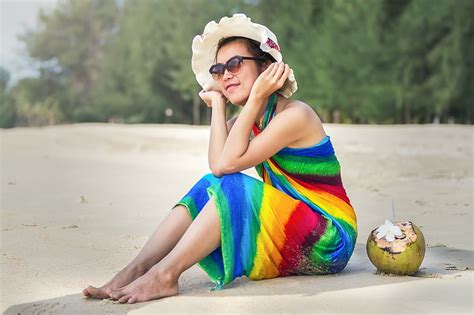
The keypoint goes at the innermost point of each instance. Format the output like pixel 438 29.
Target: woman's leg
pixel 200 239
pixel 161 242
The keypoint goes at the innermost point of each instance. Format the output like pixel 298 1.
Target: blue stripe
pixel 323 149
pixel 232 185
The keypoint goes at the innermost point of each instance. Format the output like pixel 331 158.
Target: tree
pixel 7 106
pixel 362 61
pixel 431 58
pixel 69 44
pixel 149 69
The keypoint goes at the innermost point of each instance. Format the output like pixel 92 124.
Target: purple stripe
pixel 331 180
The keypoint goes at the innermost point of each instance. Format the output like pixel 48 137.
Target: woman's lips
pixel 232 87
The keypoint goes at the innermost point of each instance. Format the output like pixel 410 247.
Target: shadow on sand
pixel 440 261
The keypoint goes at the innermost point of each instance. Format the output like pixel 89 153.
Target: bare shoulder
pixel 301 109
pixel 310 122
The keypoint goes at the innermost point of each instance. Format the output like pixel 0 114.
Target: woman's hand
pixel 270 80
pixel 212 98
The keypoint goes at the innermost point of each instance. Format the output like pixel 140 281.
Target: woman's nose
pixel 227 74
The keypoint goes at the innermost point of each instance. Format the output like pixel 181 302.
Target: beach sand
pixel 79 201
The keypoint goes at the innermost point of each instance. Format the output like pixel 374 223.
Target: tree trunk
pixel 336 116
pixel 407 113
pixel 196 111
pixel 427 115
pixel 208 115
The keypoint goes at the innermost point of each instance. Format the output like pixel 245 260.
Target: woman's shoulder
pixel 309 122
pixel 300 107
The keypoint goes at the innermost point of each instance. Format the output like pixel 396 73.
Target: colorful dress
pixel 298 221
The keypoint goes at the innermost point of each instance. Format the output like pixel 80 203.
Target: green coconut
pixel 402 256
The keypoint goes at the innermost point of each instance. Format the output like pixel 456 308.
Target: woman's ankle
pixel 164 273
pixel 137 268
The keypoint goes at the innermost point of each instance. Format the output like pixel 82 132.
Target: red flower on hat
pixel 272 44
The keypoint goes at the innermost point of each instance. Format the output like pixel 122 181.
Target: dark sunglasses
pixel 233 65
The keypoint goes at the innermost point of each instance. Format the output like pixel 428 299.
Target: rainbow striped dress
pixel 298 221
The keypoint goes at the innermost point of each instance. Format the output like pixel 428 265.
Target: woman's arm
pixel 219 127
pixel 218 137
pixel 216 144
pixel 292 124
pixel 234 154
pixel 238 139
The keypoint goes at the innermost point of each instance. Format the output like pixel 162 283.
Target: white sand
pixel 53 245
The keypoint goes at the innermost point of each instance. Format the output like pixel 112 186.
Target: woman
pixel 297 221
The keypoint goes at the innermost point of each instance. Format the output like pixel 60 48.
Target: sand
pixel 78 202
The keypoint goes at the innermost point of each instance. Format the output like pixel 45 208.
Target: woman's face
pixel 236 87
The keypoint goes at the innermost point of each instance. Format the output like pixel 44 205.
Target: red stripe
pixel 337 191
pixel 302 230
pixel 256 131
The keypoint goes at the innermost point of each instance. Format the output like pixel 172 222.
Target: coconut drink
pixel 396 248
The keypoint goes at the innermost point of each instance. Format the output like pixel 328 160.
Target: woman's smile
pixel 231 87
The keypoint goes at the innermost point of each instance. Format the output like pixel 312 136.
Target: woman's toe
pixel 97 292
pixel 86 293
pixel 91 290
pixel 132 300
pixel 124 299
pixel 117 295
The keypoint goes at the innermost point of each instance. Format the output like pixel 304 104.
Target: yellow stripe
pixel 276 210
pixel 331 204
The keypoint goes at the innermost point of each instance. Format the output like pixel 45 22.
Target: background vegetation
pixel 360 61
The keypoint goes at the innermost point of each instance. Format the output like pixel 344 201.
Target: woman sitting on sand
pixel 299 220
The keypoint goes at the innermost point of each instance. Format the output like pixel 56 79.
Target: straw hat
pixel 205 45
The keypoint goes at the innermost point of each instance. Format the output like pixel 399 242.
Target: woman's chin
pixel 237 98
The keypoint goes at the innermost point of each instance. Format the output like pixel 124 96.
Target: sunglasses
pixel 233 65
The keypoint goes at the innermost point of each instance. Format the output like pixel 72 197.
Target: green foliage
pixel 430 54
pixel 4 78
pixel 8 115
pixel 361 61
pixel 149 65
pixel 35 103
pixel 7 105
pixel 69 44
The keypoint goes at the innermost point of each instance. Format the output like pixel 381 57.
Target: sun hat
pixel 204 48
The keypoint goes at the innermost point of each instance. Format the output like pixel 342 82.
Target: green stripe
pixel 258 168
pixel 207 263
pixel 227 241
pixel 255 194
pixel 188 202
pixel 327 167
pixel 326 244
pixel 303 159
pixel 268 110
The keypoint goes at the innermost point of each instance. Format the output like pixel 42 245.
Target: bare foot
pixel 154 284
pixel 124 277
